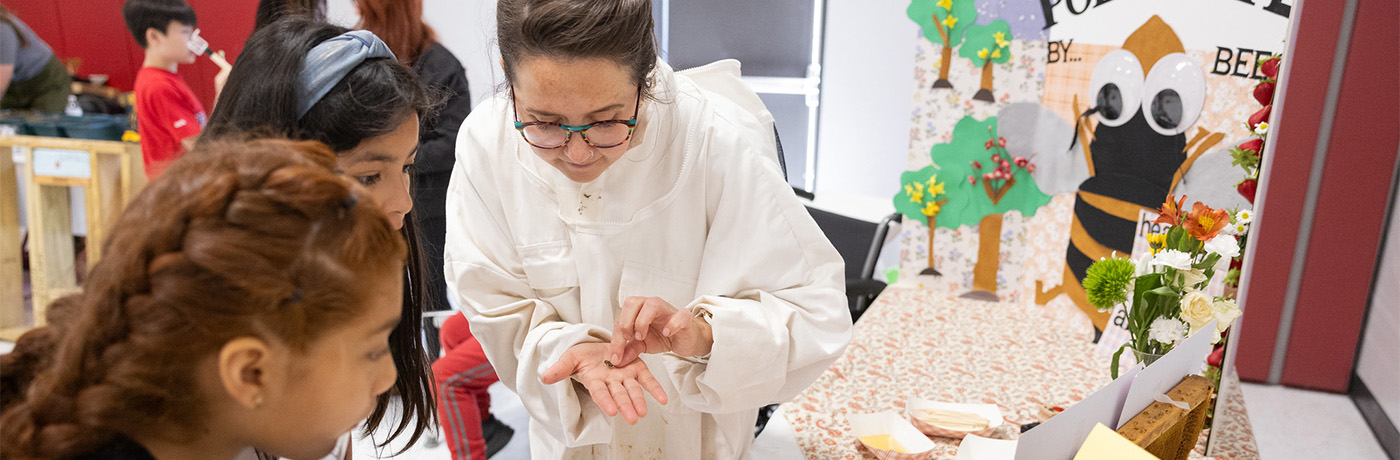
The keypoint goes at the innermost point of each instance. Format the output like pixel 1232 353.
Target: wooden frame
pixel 1166 430
pixel 113 181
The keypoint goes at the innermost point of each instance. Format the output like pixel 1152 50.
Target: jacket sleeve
pixel 781 317
pixel 521 333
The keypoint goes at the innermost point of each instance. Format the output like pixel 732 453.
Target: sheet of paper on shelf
pixel 1106 444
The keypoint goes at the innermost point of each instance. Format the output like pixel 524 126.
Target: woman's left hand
pixel 652 325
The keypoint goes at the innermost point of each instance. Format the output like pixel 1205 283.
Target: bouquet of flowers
pixel 1165 287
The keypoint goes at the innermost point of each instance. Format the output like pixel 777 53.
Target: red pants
pixel 463 374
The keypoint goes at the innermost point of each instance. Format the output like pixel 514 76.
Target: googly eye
pixel 1116 87
pixel 1175 91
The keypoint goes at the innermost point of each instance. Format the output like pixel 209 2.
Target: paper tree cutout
pixel 987 45
pixel 989 184
pixel 943 22
pixel 921 198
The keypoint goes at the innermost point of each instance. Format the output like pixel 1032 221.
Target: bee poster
pixel 1050 125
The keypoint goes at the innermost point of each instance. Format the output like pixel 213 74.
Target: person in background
pixel 306 80
pixel 31 77
pixel 270 11
pixel 168 115
pixel 462 373
pixel 245 299
pixel 625 247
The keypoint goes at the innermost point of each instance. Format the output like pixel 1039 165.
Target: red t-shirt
pixel 166 113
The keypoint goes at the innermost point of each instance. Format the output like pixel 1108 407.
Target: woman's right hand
pixel 614 389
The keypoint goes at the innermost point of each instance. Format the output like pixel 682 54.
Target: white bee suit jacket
pixel 695 212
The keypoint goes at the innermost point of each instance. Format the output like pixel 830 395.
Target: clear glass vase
pixel 1147 358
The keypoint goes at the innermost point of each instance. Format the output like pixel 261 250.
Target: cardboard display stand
pixel 109 174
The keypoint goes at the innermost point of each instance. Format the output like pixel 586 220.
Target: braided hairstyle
pixel 255 239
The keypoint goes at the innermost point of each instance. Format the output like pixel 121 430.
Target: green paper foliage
pixel 979 38
pixel 923 12
pixel 968 203
pixel 914 210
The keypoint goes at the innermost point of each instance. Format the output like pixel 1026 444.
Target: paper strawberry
pixel 1270 68
pixel 1261 116
pixel 1246 189
pixel 1253 145
pixel 1216 356
pixel 1264 93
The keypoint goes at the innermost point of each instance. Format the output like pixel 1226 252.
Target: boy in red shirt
pixel 167 114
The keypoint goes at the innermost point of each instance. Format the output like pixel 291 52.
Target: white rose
pixel 1172 258
pixel 1224 245
pixel 1225 312
pixel 1167 330
pixel 1197 310
pixel 1193 277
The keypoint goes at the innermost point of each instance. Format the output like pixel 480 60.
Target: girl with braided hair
pixel 301 79
pixel 246 299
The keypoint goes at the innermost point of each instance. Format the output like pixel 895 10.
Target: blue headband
pixel 331 60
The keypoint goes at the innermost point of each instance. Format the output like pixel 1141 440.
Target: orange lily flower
pixel 1204 223
pixel 1170 213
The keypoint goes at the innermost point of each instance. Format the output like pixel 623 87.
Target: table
pixel 932 344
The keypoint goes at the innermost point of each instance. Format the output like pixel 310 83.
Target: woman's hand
pixel 614 388
pixel 651 325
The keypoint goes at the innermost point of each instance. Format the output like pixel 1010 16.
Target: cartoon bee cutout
pixel 1128 151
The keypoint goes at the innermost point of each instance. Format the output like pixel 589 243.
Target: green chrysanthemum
pixel 1106 282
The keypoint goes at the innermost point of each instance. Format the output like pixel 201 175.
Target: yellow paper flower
pixel 950 22
pixel 931 208
pixel 996 53
pixel 982 54
pixel 916 193
pixel 935 188
pixel 945 4
pixel 1000 38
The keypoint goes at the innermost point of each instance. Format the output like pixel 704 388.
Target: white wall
pixel 1378 367
pixel 867 98
pixel 467 28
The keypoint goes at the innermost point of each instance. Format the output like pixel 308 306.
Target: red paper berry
pixel 1261 116
pixel 1270 68
pixel 1253 145
pixel 1264 93
pixel 1247 188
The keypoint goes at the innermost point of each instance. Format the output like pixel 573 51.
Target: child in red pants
pixel 462 375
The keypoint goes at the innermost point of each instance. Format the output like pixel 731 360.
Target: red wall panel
pixel 1308 64
pixel 1351 207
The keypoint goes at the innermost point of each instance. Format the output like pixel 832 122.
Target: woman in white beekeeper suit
pixel 623 243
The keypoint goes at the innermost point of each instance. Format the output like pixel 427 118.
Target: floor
pixel 1288 424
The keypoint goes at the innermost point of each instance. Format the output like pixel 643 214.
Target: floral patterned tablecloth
pixel 937 346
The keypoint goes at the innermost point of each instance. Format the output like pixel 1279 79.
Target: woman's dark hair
pixel 618 30
pixel 376 97
pixel 269 11
pixel 252 239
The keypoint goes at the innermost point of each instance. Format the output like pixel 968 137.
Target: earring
pixel 257 401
